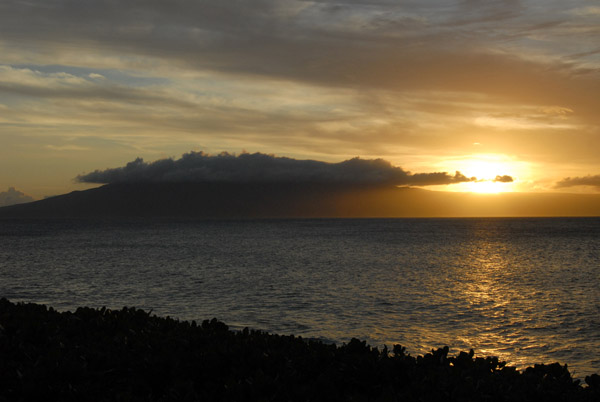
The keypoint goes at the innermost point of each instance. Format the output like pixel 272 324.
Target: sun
pixel 486 187
pixel 487 168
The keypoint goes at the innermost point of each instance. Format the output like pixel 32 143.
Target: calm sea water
pixel 526 290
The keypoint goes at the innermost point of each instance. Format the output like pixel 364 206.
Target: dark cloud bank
pixel 264 186
pixel 198 167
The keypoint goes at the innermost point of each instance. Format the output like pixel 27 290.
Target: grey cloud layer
pixel 439 46
pixel 386 78
pixel 592 181
pixel 28 82
pixel 382 44
pixel 258 167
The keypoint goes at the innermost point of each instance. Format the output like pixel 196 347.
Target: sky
pixel 485 88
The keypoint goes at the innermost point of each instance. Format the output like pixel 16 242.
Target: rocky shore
pixel 130 355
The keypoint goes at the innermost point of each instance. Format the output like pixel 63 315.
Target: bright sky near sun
pixel 487 88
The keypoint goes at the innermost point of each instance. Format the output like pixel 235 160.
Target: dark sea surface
pixel 526 290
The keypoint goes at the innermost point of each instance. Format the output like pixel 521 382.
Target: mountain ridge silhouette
pixel 296 200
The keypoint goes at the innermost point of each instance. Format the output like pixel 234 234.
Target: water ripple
pixel 525 290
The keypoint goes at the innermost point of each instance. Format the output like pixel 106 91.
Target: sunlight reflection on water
pixel 525 290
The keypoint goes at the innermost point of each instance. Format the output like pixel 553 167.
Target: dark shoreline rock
pixel 129 355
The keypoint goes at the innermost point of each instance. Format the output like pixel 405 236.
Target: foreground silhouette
pixel 129 355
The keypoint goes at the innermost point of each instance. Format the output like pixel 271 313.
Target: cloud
pixel 592 181
pixel 38 84
pixel 315 79
pixel 259 167
pixel 12 197
pixel 379 45
pixel 11 77
pixel 504 179
pixel 450 47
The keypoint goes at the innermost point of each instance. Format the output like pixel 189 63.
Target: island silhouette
pixel 296 200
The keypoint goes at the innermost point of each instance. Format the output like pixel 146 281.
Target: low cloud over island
pixel 13 197
pixel 259 185
pixel 196 167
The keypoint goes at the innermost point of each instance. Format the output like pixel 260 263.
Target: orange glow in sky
pixel 483 88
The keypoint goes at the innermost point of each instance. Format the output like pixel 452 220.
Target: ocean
pixel 525 290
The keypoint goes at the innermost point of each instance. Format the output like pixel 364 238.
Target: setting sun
pixel 487 187
pixel 494 173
